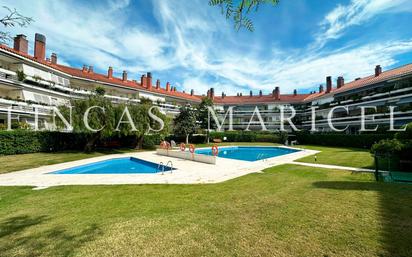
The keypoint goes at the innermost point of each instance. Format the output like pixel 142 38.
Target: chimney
pixel 21 44
pixel 250 93
pixel 260 93
pixel 378 70
pixel 124 76
pixel 167 86
pixel 295 92
pixel 157 84
pixel 110 72
pixel 84 69
pixel 39 46
pixel 90 69
pixel 192 92
pixel 223 95
pixel 328 84
pixel 212 93
pixel 149 80
pixel 340 82
pixel 174 89
pixel 143 80
pixel 276 93
pixel 54 58
pixel 240 94
pixel 320 88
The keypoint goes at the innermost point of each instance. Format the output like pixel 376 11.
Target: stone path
pixel 327 166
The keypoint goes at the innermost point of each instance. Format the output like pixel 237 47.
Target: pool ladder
pixel 161 167
pixel 260 157
pixel 171 166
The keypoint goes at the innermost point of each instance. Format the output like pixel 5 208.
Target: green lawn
pixel 288 210
pixel 342 156
pixel 26 161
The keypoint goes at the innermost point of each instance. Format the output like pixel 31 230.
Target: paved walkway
pixel 327 166
pixel 187 172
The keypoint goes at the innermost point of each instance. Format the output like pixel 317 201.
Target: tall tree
pixel 100 119
pixel 185 122
pixel 203 115
pixel 239 10
pixel 105 119
pixel 11 19
pixel 203 112
pixel 141 120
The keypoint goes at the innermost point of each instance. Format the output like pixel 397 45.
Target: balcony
pixel 21 107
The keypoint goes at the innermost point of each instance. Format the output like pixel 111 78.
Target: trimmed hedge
pixel 194 139
pixel 326 139
pixel 151 141
pixel 250 136
pixel 23 141
pixel 234 136
pixel 26 141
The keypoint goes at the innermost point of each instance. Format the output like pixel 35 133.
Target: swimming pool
pixel 248 153
pixel 128 165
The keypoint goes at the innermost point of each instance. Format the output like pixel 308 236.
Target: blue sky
pixel 295 45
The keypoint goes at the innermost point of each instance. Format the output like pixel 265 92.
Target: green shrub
pixel 26 141
pixel 194 139
pixel 405 135
pixel 20 75
pixel 250 136
pixel 151 141
pixel 387 147
pixel 344 140
pixel 267 138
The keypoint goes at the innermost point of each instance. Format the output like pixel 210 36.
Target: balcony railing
pixel 22 107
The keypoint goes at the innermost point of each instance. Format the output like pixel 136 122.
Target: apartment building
pixel 36 83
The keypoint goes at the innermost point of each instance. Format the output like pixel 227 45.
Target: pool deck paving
pixel 186 171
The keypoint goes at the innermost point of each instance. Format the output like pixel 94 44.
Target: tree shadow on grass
pixel 395 202
pixel 27 236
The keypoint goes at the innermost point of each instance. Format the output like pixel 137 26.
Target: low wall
pixel 187 156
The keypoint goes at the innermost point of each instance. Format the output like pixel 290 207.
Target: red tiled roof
pixel 369 80
pixel 288 98
pixel 386 75
pixel 260 99
pixel 103 78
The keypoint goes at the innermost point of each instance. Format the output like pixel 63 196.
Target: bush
pixel 387 147
pixel 25 141
pixel 405 135
pixel 344 140
pixel 267 138
pixel 194 139
pixel 250 136
pixel 151 141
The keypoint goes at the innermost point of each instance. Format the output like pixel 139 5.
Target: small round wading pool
pixel 248 153
pixel 128 165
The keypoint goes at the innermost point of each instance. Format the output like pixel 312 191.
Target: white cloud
pixel 196 42
pixel 355 13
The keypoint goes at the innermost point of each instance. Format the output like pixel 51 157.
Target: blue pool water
pixel 127 165
pixel 247 153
